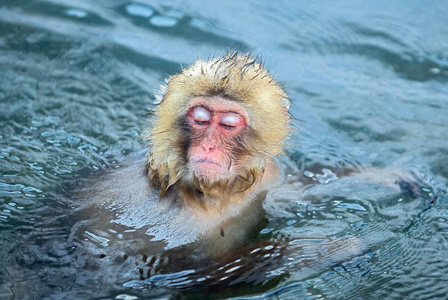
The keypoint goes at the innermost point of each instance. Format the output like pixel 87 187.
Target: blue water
pixel 369 86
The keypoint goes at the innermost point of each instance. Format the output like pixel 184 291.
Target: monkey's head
pixel 218 124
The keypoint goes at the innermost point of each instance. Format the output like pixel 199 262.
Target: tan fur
pixel 233 77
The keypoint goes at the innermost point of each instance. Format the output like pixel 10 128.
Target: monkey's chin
pixel 209 170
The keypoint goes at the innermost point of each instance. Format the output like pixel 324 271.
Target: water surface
pixel 369 88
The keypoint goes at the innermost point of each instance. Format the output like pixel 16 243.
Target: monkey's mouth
pixel 207 168
pixel 208 161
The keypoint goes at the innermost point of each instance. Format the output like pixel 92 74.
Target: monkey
pixel 214 141
pixel 215 133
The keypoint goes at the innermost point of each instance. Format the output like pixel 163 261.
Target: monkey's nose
pixel 208 147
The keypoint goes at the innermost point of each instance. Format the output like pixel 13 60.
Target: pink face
pixel 214 123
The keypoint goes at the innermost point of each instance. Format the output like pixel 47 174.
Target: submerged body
pixel 126 197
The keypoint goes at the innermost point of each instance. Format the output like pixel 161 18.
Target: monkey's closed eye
pixel 201 115
pixel 201 122
pixel 227 126
pixel 231 120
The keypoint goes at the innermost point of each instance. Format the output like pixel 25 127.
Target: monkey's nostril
pixel 208 148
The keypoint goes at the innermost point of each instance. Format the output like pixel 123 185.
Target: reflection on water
pixel 369 88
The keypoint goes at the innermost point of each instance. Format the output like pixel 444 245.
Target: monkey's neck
pixel 213 201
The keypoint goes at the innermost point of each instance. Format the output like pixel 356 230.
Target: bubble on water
pixel 163 21
pixel 435 70
pixel 352 206
pixel 198 24
pixel 135 284
pixel 327 176
pixel 175 14
pixel 139 10
pixel 46 134
pixel 76 12
pixel 291 222
pixel 73 140
pixel 126 297
pixel 266 230
pixel 31 189
pixel 308 174
pixel 85 147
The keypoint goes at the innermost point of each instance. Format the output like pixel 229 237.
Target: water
pixel 369 89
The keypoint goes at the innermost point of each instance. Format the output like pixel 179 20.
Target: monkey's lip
pixel 208 161
pixel 207 168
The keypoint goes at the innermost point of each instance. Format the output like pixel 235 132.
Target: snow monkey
pixel 213 139
pixel 215 133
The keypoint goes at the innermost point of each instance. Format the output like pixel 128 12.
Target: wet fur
pixel 235 77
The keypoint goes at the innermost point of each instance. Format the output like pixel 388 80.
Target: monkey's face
pixel 215 125
pixel 219 143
